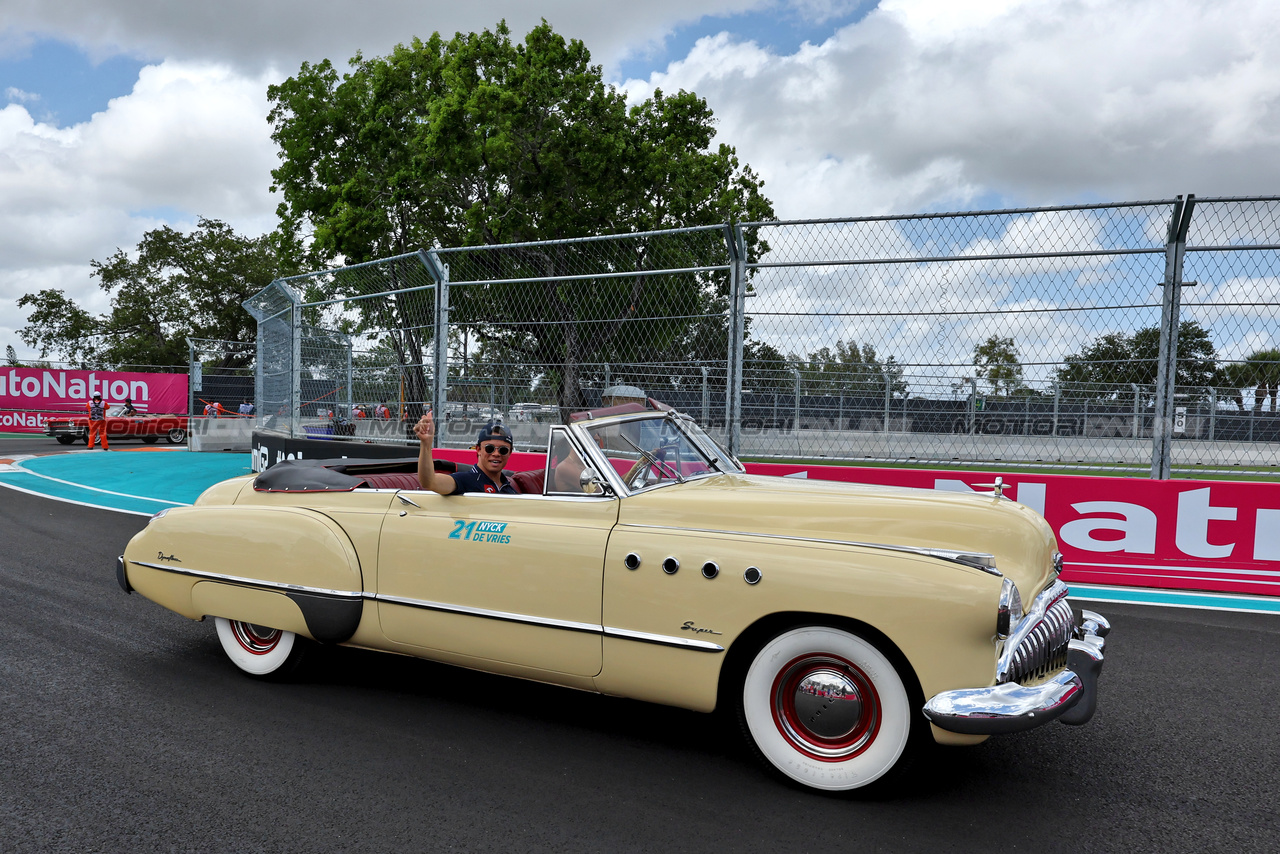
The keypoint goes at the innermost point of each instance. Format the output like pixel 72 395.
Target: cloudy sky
pixel 117 116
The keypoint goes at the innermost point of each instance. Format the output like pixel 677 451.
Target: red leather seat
pixel 391 481
pixel 529 482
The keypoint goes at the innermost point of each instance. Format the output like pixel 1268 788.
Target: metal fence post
pixel 440 351
pixel 888 395
pixel 737 249
pixel 1213 410
pixel 351 401
pixel 795 372
pixel 295 373
pixel 1167 361
pixel 1137 412
pixel 706 398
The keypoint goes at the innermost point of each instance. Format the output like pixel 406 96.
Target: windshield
pixel 654 451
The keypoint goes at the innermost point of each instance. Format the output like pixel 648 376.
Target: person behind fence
pixel 493 446
pixel 246 408
pixel 97 421
pixel 213 410
pixel 382 411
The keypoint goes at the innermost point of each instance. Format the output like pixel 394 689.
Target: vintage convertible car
pixel 845 626
pixel 148 428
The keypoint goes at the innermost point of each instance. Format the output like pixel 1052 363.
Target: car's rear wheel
pixel 176 435
pixel 825 708
pixel 65 440
pixel 261 651
pixel 150 440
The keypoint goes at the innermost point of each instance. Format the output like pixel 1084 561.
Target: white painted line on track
pixel 17 467
pixel 80 503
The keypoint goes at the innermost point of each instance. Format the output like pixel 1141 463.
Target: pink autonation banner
pixel 1134 532
pixel 30 396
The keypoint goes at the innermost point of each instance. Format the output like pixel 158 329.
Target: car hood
pixel 1019 538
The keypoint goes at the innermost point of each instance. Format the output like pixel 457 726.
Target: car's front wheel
pixel 827 709
pixel 176 435
pixel 260 651
pixel 150 440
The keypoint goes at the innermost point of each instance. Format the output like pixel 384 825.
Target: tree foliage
pixel 1106 368
pixel 848 369
pixel 1260 370
pixel 479 141
pixel 173 287
pixel 996 361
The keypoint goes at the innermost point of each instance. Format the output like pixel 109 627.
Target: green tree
pixel 996 361
pixel 1105 369
pixel 480 140
pixel 1260 371
pixel 848 369
pixel 176 286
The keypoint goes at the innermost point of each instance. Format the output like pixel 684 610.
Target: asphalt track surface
pixel 125 729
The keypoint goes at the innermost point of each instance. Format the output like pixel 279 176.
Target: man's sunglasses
pixel 502 450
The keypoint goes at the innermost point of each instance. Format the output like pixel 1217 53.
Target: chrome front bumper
pixel 1071 696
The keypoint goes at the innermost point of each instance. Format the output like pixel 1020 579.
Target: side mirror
pixel 589 481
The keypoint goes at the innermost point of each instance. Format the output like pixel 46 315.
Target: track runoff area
pixel 143 481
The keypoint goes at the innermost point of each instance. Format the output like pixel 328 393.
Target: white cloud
pixel 190 138
pixel 929 102
pixel 13 93
pixel 254 36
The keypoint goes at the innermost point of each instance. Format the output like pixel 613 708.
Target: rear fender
pixel 283 567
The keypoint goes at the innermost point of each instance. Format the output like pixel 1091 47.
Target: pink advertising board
pixel 1134 532
pixel 28 396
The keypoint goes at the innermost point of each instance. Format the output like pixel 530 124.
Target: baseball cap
pixel 495 430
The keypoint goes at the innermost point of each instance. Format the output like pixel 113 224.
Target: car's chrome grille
pixel 1041 643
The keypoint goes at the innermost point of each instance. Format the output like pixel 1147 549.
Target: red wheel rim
pixel 255 640
pixel 825 707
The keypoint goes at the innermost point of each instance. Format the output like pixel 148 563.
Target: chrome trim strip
pixel 504 616
pixel 252 582
pixel 550 623
pixel 663 640
pixel 949 555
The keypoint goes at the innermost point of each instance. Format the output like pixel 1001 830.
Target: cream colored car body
pixel 547 594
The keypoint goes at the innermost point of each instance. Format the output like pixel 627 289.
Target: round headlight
pixel 1010 610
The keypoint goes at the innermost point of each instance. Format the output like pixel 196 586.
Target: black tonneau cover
pixel 340 475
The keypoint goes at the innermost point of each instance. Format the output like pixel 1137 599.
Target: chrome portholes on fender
pixel 671 566
pixel 631 561
pixel 710 570
pixel 260 651
pixel 752 575
pixel 826 709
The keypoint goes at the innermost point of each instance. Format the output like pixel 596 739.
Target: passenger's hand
pixel 425 429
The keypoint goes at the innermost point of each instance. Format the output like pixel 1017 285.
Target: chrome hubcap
pixel 825 707
pixel 257 640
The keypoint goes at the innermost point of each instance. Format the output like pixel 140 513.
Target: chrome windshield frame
pixel 606 469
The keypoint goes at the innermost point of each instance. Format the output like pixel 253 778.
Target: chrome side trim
pixel 550 623
pixel 252 582
pixel 663 640
pixel 973 560
pixel 483 613
pixel 503 616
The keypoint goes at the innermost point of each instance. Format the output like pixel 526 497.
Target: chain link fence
pixel 1132 336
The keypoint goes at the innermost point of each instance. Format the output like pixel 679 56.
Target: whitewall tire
pixel 258 650
pixel 826 709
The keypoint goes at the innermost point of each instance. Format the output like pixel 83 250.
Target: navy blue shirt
pixel 471 479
